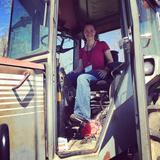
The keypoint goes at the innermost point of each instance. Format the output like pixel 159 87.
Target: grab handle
pixel 26 74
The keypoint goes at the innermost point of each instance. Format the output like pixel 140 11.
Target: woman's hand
pixel 102 73
pixel 79 67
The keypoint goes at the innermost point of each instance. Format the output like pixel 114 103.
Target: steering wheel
pixel 60 48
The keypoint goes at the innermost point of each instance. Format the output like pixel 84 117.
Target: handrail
pixel 26 74
pixel 21 63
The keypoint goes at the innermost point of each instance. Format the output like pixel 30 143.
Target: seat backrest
pixel 115 55
pixel 104 84
pixel 100 89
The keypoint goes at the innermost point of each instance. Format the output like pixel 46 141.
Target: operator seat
pixel 100 88
pixel 99 97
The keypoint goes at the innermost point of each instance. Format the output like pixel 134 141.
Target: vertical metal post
pixel 51 81
pixel 144 148
pixel 76 50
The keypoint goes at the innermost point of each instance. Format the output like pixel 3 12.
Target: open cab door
pixel 35 109
pixel 125 126
pixel 22 109
pixel 114 108
pixel 27 80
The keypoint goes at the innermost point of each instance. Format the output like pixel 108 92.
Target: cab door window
pixel 148 29
pixel 28 32
pixel 112 38
pixel 65 50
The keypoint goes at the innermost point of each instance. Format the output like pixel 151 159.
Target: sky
pixel 4 16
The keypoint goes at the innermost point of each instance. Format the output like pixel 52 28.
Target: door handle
pixel 26 75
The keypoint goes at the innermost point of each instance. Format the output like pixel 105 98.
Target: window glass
pixel 149 29
pixel 28 34
pixel 5 10
pixel 66 61
pixel 65 58
pixel 112 38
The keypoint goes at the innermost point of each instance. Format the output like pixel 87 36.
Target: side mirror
pixel 151 67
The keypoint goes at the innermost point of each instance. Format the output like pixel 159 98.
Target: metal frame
pixel 51 82
pixel 139 82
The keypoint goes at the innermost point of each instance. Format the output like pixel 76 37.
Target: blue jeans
pixel 82 99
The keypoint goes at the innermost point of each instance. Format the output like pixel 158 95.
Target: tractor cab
pixel 86 137
pixel 45 38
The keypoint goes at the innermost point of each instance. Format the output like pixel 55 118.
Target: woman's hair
pixel 88 24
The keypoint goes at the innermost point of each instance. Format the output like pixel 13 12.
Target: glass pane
pixel 65 57
pixel 112 39
pixel 28 35
pixel 66 61
pixel 5 10
pixel 149 30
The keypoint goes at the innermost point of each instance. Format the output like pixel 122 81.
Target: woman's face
pixel 89 32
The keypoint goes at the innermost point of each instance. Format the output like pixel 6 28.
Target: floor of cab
pixel 86 144
pixel 82 144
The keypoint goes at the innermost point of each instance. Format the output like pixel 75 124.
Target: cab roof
pixel 73 14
